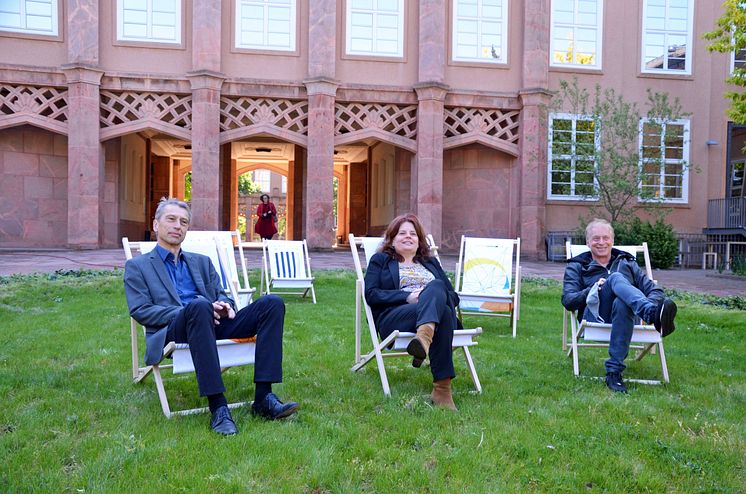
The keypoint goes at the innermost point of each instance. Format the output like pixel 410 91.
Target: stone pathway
pixel 47 261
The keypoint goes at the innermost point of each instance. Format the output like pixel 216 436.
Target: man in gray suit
pixel 178 297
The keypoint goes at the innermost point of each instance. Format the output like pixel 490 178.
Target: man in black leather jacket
pixel 607 285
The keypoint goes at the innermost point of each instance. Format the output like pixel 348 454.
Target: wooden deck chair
pixel 645 338
pixel 231 353
pixel 396 343
pixel 433 246
pixel 287 266
pixel 488 278
pixel 229 241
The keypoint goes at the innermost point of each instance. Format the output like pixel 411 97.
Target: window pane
pixel 163 19
pixel 164 32
pixel 135 4
pixel 135 31
pixel 10 20
pixel 36 8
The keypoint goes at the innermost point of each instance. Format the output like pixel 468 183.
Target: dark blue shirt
pixel 180 276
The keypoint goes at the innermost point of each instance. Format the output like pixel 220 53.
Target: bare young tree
pixel 619 156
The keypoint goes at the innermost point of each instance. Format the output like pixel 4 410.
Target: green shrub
pixel 660 236
pixel 738 265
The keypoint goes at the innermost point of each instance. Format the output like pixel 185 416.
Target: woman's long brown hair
pixel 423 250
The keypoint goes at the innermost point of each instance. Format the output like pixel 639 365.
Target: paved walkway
pixel 47 261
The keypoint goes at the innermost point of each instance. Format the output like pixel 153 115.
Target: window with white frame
pixel 664 151
pixel 480 31
pixel 576 33
pixel 375 28
pixel 738 60
pixel 152 21
pixel 29 16
pixel 266 24
pixel 572 160
pixel 667 36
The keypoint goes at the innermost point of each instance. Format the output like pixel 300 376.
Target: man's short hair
pixel 598 222
pixel 172 201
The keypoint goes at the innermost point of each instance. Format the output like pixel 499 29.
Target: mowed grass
pixel 72 420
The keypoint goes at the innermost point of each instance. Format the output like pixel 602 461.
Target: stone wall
pixel 33 188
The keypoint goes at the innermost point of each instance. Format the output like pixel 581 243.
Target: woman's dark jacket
pixel 382 283
pixel 581 273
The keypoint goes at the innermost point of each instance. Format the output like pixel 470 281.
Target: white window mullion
pixel 567 158
pixel 265 24
pixel 576 33
pixel 30 16
pixel 154 21
pixel 480 31
pixel 667 40
pixel 375 28
pixel 666 157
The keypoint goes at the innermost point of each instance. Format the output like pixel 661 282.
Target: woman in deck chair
pixel 408 291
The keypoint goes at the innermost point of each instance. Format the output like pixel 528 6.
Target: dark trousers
pixel 195 325
pixel 432 307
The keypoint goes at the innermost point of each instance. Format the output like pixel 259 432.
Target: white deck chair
pixel 433 247
pixel 488 278
pixel 227 239
pixel 230 352
pixel 287 266
pixel 645 338
pixel 462 338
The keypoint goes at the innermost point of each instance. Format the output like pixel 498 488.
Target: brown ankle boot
pixel 419 347
pixel 441 396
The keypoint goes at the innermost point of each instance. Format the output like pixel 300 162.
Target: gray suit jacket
pixel 152 297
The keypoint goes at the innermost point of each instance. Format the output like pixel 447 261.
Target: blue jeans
pixel 621 303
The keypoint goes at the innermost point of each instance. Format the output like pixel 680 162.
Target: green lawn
pixel 72 420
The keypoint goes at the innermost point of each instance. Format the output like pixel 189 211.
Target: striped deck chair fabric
pixel 286 268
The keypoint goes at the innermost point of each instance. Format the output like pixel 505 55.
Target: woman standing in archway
pixel 266 222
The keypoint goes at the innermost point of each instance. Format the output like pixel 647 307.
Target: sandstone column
pixel 427 167
pixel 85 155
pixel 206 80
pixel 533 138
pixel 318 193
pixel 206 150
pixel 317 186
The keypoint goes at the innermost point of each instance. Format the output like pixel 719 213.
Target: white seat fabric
pixel 397 341
pixel 230 352
pixel 226 240
pixel 286 265
pixel 488 278
pixel 645 338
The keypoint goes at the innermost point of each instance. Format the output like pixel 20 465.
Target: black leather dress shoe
pixel 272 408
pixel 222 422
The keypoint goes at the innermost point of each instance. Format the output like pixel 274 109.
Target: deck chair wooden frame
pixel 231 353
pixel 229 241
pixel 395 344
pixel 645 338
pixel 286 266
pixel 505 304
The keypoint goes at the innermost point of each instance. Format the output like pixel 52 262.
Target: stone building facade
pixel 431 106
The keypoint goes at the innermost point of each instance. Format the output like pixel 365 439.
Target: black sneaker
pixel 615 383
pixel 664 316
